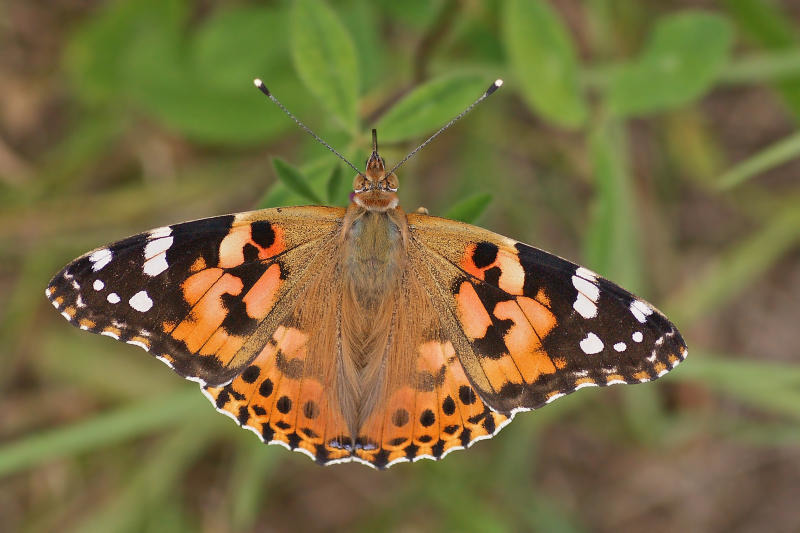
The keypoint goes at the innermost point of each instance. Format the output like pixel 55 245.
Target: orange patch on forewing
pixel 539 316
pixel 207 314
pixel 560 362
pixel 214 342
pixel 584 381
pixel 230 348
pixel 512 275
pixel 673 359
pixel 614 377
pixel 86 323
pixel 198 265
pixel 195 286
pixel 261 297
pixel 468 265
pixel 474 318
pixel 501 371
pixel 231 249
pixel 542 298
pixel 642 375
pixel 659 367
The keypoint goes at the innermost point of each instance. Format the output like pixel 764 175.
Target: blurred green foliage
pixel 159 91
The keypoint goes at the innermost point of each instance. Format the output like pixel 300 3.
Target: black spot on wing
pixel 237 321
pixel 485 254
pixel 262 233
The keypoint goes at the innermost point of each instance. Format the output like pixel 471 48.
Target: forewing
pixel 529 327
pixel 201 296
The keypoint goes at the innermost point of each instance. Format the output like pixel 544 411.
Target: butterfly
pixel 365 334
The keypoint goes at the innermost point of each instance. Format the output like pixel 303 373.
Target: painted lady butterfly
pixel 365 334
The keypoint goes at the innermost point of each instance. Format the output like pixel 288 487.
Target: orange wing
pixel 517 328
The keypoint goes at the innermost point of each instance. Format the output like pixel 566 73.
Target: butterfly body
pixel 365 334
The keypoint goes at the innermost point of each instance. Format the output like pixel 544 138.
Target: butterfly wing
pixel 201 296
pixel 529 327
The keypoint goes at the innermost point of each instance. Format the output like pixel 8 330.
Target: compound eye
pixel 391 182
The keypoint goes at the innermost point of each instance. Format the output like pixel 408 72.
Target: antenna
pixel 263 88
pixel 492 88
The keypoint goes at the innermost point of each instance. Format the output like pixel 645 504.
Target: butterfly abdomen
pixel 372 266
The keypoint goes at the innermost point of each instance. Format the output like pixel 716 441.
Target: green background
pixel 654 142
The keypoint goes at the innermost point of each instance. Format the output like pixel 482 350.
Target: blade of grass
pixel 771 386
pixel 152 481
pixel 102 430
pixel 249 482
pixel 612 243
pixel 737 268
pixel 776 154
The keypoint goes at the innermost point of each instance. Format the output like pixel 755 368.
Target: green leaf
pixel 430 106
pixel 325 59
pixel 683 58
pixel 294 180
pixel 236 45
pixel 470 209
pixel 542 57
pixel 771 27
pixel 337 188
pixel 95 53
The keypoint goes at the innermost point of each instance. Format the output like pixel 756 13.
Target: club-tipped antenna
pixel 263 88
pixel 492 88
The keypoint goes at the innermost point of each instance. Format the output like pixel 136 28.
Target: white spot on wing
pixel 591 344
pixel 155 266
pixel 155 258
pixel 65 315
pixel 620 347
pixel 584 306
pixel 141 345
pixel 110 334
pixel 157 246
pixel 637 336
pixel 141 301
pixel 100 258
pixel 164 231
pixel 589 289
pixel 640 310
pixel 48 292
pixel 98 285
pixel 113 298
pixel 585 273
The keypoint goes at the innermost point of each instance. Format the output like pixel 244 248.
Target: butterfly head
pixel 375 190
